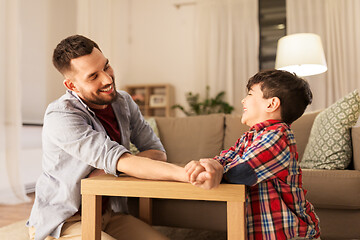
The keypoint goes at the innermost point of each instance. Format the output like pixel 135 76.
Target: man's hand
pixel 193 169
pixel 211 177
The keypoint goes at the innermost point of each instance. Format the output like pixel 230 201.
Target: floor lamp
pixel 301 53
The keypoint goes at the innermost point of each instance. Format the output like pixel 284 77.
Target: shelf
pixel 153 99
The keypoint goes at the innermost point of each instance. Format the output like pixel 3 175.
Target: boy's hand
pixel 211 177
pixel 193 169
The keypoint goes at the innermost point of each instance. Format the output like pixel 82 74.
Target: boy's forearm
pixel 146 168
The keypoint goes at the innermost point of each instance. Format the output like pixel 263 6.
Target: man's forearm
pixel 146 168
pixel 153 154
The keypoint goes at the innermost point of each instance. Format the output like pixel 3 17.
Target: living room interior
pixel 184 44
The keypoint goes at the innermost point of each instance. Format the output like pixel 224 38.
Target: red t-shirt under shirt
pixel 109 122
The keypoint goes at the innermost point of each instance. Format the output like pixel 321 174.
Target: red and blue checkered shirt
pixel 275 204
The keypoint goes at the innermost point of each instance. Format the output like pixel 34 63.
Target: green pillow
pixel 329 145
pixel 152 123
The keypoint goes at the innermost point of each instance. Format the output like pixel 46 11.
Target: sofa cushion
pixel 152 122
pixel 191 138
pixel 329 145
pixel 355 137
pixel 301 129
pixel 338 189
pixel 234 129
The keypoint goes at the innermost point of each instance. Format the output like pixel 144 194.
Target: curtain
pixel 338 24
pixel 226 47
pixel 12 190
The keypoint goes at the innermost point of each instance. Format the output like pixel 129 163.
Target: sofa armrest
pixel 355 137
pixel 338 189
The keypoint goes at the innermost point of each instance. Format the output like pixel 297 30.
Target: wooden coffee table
pixel 92 190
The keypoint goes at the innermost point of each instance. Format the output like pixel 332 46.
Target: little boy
pixel 266 160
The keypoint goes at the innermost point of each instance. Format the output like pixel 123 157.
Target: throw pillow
pixel 152 123
pixel 329 145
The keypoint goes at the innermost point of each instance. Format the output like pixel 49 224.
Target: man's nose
pixel 106 78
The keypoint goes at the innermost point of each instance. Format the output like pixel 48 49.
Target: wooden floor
pixel 12 213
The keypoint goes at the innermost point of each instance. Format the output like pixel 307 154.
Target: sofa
pixel 335 194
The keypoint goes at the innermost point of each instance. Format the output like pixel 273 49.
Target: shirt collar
pixel 260 126
pixel 81 101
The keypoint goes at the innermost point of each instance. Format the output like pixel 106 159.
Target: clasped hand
pixel 206 173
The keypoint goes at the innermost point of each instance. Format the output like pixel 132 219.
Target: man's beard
pixel 98 100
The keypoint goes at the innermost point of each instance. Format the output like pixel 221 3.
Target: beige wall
pixel 152 42
pixel 160 46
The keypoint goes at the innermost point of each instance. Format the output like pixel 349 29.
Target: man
pixel 87 132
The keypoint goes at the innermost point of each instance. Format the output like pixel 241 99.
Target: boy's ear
pixel 274 104
pixel 70 85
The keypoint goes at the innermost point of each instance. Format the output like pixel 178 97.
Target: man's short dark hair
pixel 294 92
pixel 71 47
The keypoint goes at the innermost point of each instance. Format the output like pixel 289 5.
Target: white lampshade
pixel 301 53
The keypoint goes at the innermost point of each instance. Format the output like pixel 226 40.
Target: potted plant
pixel 207 106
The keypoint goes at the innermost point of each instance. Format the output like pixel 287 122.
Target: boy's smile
pixel 255 107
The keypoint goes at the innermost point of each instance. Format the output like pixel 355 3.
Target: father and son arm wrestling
pixel 87 132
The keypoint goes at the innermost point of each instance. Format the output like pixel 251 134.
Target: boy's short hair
pixel 71 47
pixel 294 92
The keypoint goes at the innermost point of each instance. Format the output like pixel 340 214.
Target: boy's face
pixel 92 78
pixel 255 107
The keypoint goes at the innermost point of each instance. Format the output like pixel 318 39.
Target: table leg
pixel 236 220
pixel 91 217
pixel 145 210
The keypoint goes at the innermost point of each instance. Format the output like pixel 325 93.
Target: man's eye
pixel 106 67
pixel 94 77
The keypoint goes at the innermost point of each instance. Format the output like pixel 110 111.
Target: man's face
pixel 254 105
pixel 92 78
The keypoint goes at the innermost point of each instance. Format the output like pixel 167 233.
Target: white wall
pixel 43 24
pixel 62 19
pixel 33 16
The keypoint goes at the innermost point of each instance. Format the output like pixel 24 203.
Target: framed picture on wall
pixel 157 100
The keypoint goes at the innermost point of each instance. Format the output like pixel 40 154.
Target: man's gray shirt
pixel 74 144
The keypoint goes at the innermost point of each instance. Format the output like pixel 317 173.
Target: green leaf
pixel 207 106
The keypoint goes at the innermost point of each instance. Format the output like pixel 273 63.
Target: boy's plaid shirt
pixel 276 204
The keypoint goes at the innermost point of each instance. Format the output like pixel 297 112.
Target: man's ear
pixel 274 104
pixel 70 85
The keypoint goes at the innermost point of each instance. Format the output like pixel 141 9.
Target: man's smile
pixel 107 90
